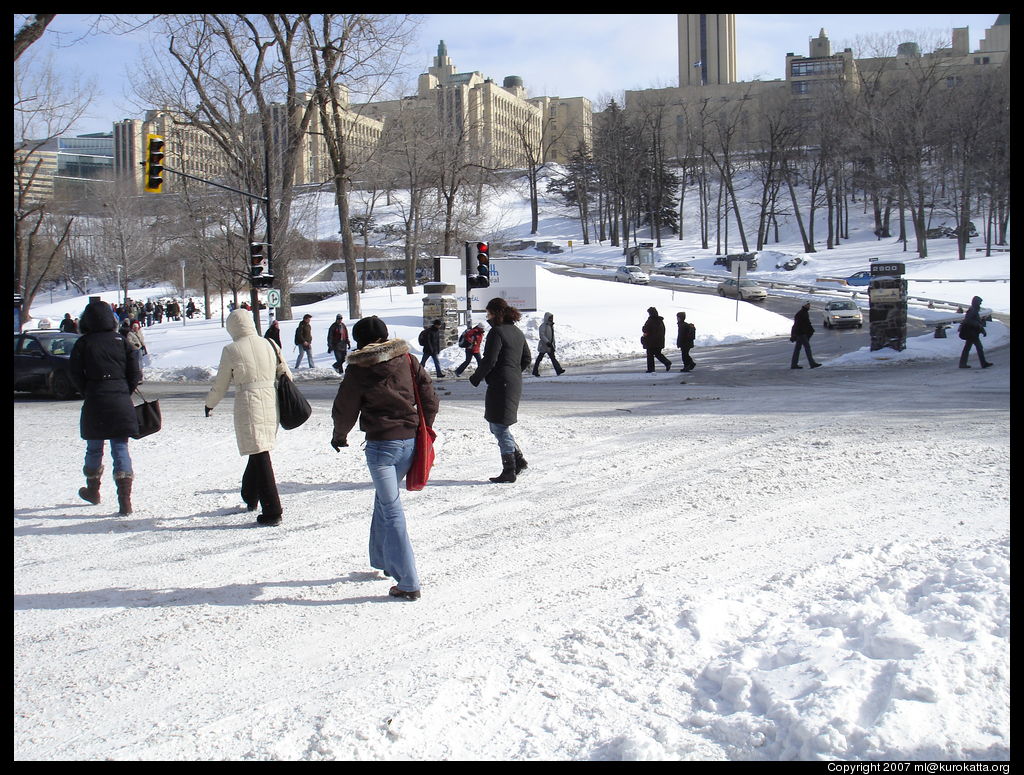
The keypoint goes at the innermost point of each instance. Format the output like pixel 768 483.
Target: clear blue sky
pixel 568 55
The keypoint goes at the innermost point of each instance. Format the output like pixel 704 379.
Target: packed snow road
pixel 718 565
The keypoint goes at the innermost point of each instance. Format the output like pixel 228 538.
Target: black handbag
pixel 149 417
pixel 292 407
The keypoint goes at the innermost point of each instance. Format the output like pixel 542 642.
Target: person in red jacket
pixel 471 340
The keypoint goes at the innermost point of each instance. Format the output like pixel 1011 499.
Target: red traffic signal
pixel 478 273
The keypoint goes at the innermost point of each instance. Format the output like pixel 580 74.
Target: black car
pixel 726 261
pixel 41 362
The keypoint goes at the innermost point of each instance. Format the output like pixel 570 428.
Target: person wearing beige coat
pixel 252 364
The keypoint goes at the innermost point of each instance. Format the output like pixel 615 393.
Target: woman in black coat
pixel 105 370
pixel 506 357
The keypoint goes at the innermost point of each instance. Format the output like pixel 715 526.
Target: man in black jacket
pixel 430 340
pixel 971 330
pixel 654 339
pixel 800 335
pixel 338 343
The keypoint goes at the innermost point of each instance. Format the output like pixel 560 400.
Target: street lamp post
pixel 182 310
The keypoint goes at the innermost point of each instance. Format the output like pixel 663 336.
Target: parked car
pixel 675 268
pixel 748 290
pixel 726 261
pixel 859 278
pixel 41 363
pixel 842 313
pixel 631 274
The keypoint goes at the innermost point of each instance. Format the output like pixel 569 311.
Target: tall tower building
pixel 707 49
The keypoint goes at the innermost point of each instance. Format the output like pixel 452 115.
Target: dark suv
pixel 41 362
pixel 726 261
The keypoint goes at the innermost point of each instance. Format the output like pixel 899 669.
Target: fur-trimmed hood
pixel 377 352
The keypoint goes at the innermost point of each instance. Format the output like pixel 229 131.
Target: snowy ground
pixel 742 566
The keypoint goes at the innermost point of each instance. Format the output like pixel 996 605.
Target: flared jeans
pixel 390 548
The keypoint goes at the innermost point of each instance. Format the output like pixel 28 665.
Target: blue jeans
pixel 506 444
pixel 118 451
pixel 390 549
pixel 309 356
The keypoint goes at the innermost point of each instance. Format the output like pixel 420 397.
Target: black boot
pixel 508 470
pixel 123 481
pixel 520 461
pixel 91 491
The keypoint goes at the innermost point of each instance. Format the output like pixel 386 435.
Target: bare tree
pixel 31 31
pixel 346 51
pixel 45 106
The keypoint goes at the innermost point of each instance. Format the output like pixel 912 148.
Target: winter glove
pixel 474 381
pixel 207 410
pixel 338 444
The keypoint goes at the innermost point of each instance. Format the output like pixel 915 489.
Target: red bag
pixel 423 456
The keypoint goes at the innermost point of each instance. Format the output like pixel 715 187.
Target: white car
pixel 748 290
pixel 631 274
pixel 839 314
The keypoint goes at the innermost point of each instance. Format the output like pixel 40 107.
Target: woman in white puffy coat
pixel 252 364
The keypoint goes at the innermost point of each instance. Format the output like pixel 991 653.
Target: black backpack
pixel 423 338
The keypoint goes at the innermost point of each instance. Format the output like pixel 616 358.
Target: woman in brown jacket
pixel 378 390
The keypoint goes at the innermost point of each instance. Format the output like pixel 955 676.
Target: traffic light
pixel 259 276
pixel 153 174
pixel 478 265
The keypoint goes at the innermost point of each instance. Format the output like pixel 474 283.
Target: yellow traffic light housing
pixel 153 178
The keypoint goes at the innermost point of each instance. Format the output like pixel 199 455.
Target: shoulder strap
pixel 415 385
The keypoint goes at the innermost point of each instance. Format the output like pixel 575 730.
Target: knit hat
pixel 369 330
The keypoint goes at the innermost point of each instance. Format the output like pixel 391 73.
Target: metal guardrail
pixel 813 289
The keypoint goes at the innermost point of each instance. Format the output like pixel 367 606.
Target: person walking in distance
pixel 304 340
pixel 105 370
pixel 470 341
pixel 687 333
pixel 379 389
pixel 430 340
pixel 338 343
pixel 546 345
pixel 274 333
pixel 800 335
pixel 253 364
pixel 971 330
pixel 506 357
pixel 654 340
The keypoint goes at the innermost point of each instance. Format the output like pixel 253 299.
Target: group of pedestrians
pixel 379 390
pixel 653 340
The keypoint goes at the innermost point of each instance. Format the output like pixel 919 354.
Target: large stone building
pixel 496 126
pixel 708 40
pixel 707 49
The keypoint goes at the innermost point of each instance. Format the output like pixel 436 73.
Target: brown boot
pixel 123 481
pixel 91 491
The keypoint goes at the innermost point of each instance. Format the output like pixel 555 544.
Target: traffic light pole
pixel 265 199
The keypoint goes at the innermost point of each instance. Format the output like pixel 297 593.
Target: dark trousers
pixel 470 355
pixel 687 360
pixel 554 362
pixel 437 365
pixel 974 341
pixel 258 484
pixel 652 354
pixel 805 342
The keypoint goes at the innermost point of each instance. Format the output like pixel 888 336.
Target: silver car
pixel 631 274
pixel 842 314
pixel 748 290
